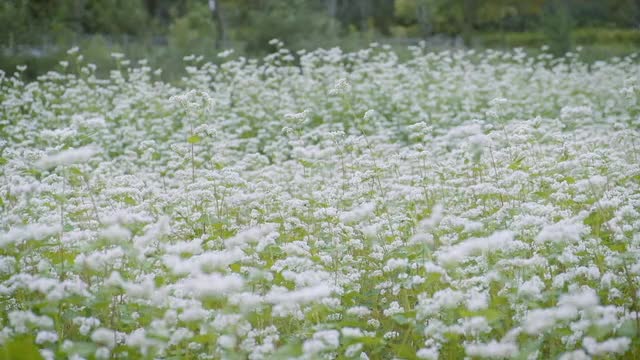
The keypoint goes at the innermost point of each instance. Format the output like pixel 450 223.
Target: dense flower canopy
pixel 323 205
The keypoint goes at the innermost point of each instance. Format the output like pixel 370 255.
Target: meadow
pixel 323 205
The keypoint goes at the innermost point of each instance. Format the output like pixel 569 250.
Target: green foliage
pixel 406 10
pixel 297 23
pixel 23 348
pixel 556 25
pixel 114 17
pixel 587 36
pixel 13 22
pixel 195 29
pixel 194 139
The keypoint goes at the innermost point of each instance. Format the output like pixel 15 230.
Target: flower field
pixel 323 205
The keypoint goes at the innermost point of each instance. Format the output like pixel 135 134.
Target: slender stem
pixel 60 243
pixel 193 163
pixel 495 171
pixel 93 200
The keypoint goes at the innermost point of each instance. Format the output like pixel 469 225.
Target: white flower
pixel 342 86
pixel 457 253
pixel 575 355
pixel 68 157
pixel 394 308
pixel 322 340
pixel 105 337
pixel 193 313
pixel 583 299
pixel 351 332
pixel 46 337
pixel 532 288
pixel 301 296
pixel 612 346
pixel 116 233
pixel 394 264
pixel 561 232
pixel 227 342
pixel 430 353
pixel 491 350
pixel 391 335
pixel 214 285
pixel 369 115
pixel 19 235
pixel 575 112
pixel 359 311
pixel 103 353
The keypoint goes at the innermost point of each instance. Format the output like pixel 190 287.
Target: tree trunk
pixel 424 18
pixel 332 10
pixel 216 13
pixel 469 12
pixel 365 13
pixel 151 6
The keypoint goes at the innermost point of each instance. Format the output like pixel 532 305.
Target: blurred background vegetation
pixel 38 32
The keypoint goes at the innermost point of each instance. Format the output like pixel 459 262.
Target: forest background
pixel 37 33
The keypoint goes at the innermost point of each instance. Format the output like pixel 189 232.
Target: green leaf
pixel 491 315
pixel 293 349
pixel 619 247
pixel 305 163
pixel 404 351
pixel 516 164
pixel 249 134
pixel 21 348
pixel 400 319
pixel 194 139
pixel 204 219
pixel 528 348
pixel 235 267
pixel 371 341
pixel 129 200
pixel 83 348
pixel 3 161
pixel 628 329
pixel 75 171
pixel 34 172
